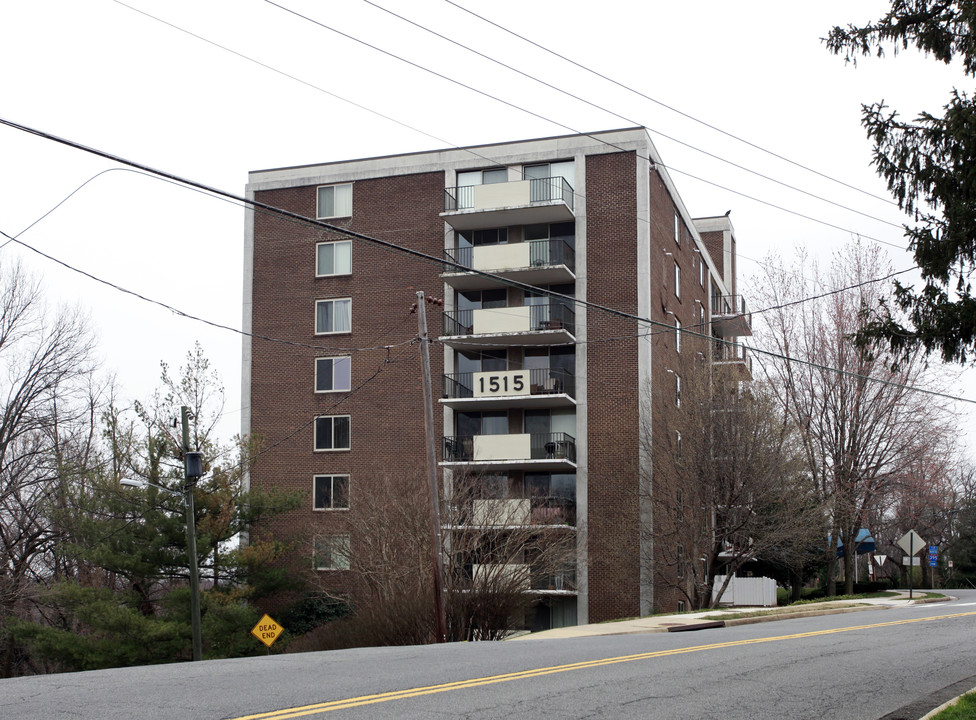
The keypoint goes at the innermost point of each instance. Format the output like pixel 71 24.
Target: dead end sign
pixel 267 630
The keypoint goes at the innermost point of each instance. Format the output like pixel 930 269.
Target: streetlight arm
pixel 143 484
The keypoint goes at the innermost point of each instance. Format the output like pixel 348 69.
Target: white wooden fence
pixel 750 591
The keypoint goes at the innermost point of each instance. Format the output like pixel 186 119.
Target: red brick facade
pixel 629 266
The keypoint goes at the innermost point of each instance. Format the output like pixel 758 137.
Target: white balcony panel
pixel 502 512
pixel 499 195
pixel 501 257
pixel 493 321
pixel 502 447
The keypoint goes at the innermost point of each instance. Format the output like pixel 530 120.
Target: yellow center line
pixel 538 672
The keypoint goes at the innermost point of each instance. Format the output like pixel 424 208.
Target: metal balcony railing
pixel 562 579
pixel 542 381
pixel 506 512
pixel 730 305
pixel 551 316
pixel 542 446
pixel 732 352
pixel 553 511
pixel 549 189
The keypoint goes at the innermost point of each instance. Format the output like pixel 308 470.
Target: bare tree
pixel 861 424
pixel 728 482
pixel 45 363
pixel 500 553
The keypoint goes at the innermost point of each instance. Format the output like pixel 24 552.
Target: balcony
pixel 525 577
pixel 550 324
pixel 731 316
pixel 492 390
pixel 548 512
pixel 535 262
pixel 527 451
pixel 521 202
pixel 733 359
pixel 559 582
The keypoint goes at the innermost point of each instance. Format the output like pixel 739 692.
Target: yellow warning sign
pixel 267 630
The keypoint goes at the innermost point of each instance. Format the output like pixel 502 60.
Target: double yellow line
pixel 526 674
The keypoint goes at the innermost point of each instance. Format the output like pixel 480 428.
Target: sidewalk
pixel 725 617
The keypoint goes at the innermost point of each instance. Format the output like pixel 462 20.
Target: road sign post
pixel 911 542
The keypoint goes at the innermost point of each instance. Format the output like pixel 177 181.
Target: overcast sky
pixel 209 90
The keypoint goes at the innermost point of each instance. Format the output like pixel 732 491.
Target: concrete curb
pixel 675 623
pixel 935 711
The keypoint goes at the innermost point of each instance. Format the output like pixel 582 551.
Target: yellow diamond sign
pixel 267 630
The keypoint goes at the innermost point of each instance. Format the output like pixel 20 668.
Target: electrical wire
pixel 671 108
pixel 615 114
pixel 488 160
pixel 189 316
pixel 418 254
pixel 544 118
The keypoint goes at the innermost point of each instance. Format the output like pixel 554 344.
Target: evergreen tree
pixel 930 168
pixel 125 599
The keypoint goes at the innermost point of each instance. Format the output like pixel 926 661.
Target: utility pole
pixel 440 618
pixel 192 470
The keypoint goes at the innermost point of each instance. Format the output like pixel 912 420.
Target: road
pixel 880 663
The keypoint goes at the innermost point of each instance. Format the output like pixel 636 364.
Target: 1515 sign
pixel 511 382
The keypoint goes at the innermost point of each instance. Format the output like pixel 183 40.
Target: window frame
pixel 677 280
pixel 332 507
pixel 677 390
pixel 341 539
pixel 318 201
pixel 333 243
pixel 349 318
pixel 334 389
pixel 333 448
pixel 677 228
pixel 677 335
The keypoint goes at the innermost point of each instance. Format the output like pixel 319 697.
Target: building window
pixel 679 499
pixel 491 176
pixel 677 228
pixel 677 280
pixel 333 258
pixel 677 335
pixel 333 374
pixel 331 552
pixel 332 432
pixel 681 606
pixel 681 561
pixel 334 201
pixel 333 316
pixel 677 390
pixel 330 492
pixel 701 271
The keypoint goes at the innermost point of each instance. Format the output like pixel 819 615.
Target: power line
pixel 626 119
pixel 182 313
pixel 425 256
pixel 671 108
pixel 381 334
pixel 543 117
pixel 488 160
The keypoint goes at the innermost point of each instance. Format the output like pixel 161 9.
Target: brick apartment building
pixel 544 398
